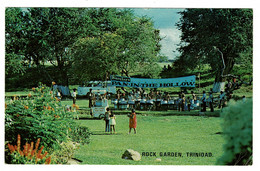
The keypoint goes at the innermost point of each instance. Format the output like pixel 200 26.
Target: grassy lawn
pixel 156 132
pixel 17 93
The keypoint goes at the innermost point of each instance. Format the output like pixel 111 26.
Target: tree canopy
pixel 228 30
pixel 124 44
pixel 86 43
pixel 14 41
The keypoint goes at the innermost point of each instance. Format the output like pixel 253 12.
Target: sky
pixel 165 20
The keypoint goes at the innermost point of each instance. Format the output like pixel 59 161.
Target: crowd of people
pixel 155 100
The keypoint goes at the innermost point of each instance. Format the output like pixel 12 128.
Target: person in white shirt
pixel 74 94
pixel 59 95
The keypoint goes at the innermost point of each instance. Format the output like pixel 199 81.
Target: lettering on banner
pixel 188 81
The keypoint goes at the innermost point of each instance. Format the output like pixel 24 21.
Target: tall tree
pixel 50 32
pixel 123 44
pixel 228 30
pixel 14 42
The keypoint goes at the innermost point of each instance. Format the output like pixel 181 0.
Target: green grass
pixel 17 93
pixel 157 131
pixel 154 134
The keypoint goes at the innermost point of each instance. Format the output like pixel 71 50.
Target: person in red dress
pixel 132 121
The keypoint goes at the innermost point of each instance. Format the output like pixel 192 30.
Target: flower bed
pixel 40 115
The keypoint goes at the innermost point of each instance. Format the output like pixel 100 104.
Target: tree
pixel 44 34
pixel 49 32
pixel 228 30
pixel 14 42
pixel 123 44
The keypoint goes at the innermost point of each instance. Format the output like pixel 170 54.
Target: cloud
pixel 171 38
pixel 162 17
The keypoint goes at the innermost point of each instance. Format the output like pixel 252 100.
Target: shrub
pixel 80 135
pixel 39 115
pixel 29 154
pixel 65 152
pixel 237 129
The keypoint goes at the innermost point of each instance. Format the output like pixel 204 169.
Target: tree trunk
pixel 222 73
pixel 64 80
pixel 64 76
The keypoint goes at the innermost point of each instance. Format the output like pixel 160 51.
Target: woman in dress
pixel 132 121
pixel 112 123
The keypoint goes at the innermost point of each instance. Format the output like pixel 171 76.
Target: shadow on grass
pixel 216 113
pixel 207 114
pixel 104 133
pixel 77 160
pixel 88 118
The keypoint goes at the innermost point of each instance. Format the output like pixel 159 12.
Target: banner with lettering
pixel 120 81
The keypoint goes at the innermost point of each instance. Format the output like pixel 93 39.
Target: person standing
pixel 59 96
pixel 179 102
pixel 118 97
pixel 91 97
pixel 211 101
pixel 183 101
pixel 203 100
pixel 112 122
pixel 222 99
pixel 189 103
pixel 193 100
pixel 132 121
pixel 107 118
pixel 193 96
pixel 74 94
pixel 158 100
pixel 167 96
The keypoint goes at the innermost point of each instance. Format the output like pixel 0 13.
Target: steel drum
pixel 123 104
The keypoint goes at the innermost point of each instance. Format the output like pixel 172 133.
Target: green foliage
pixel 238 133
pixel 65 152
pixel 13 64
pixel 38 116
pixel 246 60
pixel 124 44
pixel 80 134
pixel 13 41
pixel 120 40
pixel 45 34
pixel 230 30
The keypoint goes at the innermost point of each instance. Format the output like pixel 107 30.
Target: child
pixel 112 122
pixel 74 94
pixel 59 95
pixel 132 121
